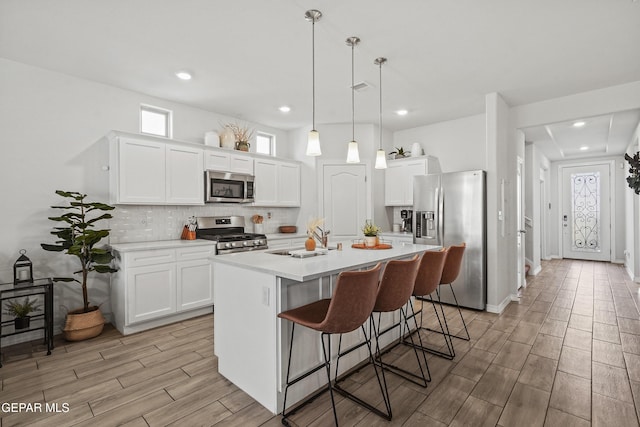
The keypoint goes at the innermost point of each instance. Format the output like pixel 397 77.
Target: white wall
pixel 536 168
pixel 51 126
pixel 458 144
pixel 632 217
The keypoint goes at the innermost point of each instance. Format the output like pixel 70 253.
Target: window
pixel 265 144
pixel 155 121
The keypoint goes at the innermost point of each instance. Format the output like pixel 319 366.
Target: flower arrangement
pixel 399 152
pixel 312 224
pixel 370 229
pixel 242 133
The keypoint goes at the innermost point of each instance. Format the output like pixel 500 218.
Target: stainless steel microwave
pixel 227 187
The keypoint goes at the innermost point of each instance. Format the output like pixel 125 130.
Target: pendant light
pixel 381 158
pixel 313 142
pixel 352 154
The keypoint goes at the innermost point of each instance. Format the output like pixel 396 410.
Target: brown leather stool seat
pixel 427 282
pixel 348 309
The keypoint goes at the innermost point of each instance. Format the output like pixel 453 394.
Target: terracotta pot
pixel 310 244
pixel 80 326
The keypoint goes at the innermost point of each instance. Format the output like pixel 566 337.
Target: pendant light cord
pixel 313 74
pixel 380 131
pixel 353 108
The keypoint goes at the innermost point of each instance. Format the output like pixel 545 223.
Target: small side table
pixel 43 320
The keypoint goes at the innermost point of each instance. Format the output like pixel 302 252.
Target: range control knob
pixel 247 243
pixel 257 242
pixel 228 245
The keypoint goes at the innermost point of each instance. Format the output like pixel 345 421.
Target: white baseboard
pixel 618 261
pixel 631 275
pixel 536 271
pixel 498 309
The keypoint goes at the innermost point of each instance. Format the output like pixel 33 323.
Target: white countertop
pixel 322 265
pixel 396 234
pixel 159 244
pixel 282 236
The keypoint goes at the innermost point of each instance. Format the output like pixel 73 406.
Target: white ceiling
pixel 605 135
pixel 249 57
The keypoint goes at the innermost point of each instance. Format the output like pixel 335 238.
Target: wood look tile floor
pixel 566 354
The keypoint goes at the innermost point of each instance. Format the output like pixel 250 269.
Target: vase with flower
pixel 370 231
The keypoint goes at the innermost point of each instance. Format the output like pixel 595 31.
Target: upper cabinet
pixel 151 171
pixel 228 161
pixel 277 183
pixel 398 178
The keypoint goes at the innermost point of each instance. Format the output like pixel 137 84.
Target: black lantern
pixel 22 270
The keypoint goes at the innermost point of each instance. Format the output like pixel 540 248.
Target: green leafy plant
pixel 400 152
pixel 22 309
pixel 370 229
pixel 634 171
pixel 79 239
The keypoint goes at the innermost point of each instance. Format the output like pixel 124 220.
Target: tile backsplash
pixel 149 223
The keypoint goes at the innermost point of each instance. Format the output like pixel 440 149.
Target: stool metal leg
pixel 462 318
pixel 444 330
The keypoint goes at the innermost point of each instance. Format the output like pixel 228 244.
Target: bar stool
pixel 349 308
pixel 394 293
pixel 449 275
pixel 427 281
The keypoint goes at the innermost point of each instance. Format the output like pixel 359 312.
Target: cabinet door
pixel 288 184
pixel 195 284
pixel 266 183
pixel 411 169
pixel 151 292
pixel 185 176
pixel 241 164
pixel 217 161
pixel 394 192
pixel 141 172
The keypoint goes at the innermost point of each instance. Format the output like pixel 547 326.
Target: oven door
pixel 223 187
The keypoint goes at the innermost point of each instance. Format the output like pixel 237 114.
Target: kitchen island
pixel 252 343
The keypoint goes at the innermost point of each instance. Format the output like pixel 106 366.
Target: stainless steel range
pixel 228 232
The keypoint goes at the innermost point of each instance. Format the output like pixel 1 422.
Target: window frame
pixel 272 143
pixel 158 110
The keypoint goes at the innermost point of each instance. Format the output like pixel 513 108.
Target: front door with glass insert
pixel 586 212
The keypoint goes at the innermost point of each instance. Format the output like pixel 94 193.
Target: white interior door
pixel 586 212
pixel 344 200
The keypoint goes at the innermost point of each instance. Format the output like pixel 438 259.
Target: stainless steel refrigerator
pixel 450 208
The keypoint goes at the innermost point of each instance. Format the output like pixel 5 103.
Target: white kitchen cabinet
pixel 226 161
pixel 184 176
pixel 398 178
pixel 397 238
pixel 153 171
pixel 160 286
pixel 151 292
pixel 277 183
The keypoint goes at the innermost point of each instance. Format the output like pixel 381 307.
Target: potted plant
pixel 79 239
pixel 21 311
pixel 634 172
pixel 370 231
pixel 400 153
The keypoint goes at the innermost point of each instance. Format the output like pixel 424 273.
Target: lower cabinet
pixel 289 242
pixel 157 287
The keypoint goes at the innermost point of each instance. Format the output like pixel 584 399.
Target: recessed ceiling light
pixel 578 124
pixel 285 108
pixel 584 148
pixel 402 112
pixel 183 75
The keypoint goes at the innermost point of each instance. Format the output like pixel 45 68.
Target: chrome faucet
pixel 322 238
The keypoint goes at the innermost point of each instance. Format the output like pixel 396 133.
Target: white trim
pixel 536 271
pixel 498 309
pixel 630 274
pixel 612 201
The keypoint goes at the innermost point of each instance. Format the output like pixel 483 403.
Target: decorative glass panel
pixel 585 210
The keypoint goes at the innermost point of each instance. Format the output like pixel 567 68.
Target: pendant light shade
pixel 381 158
pixel 313 142
pixel 352 154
